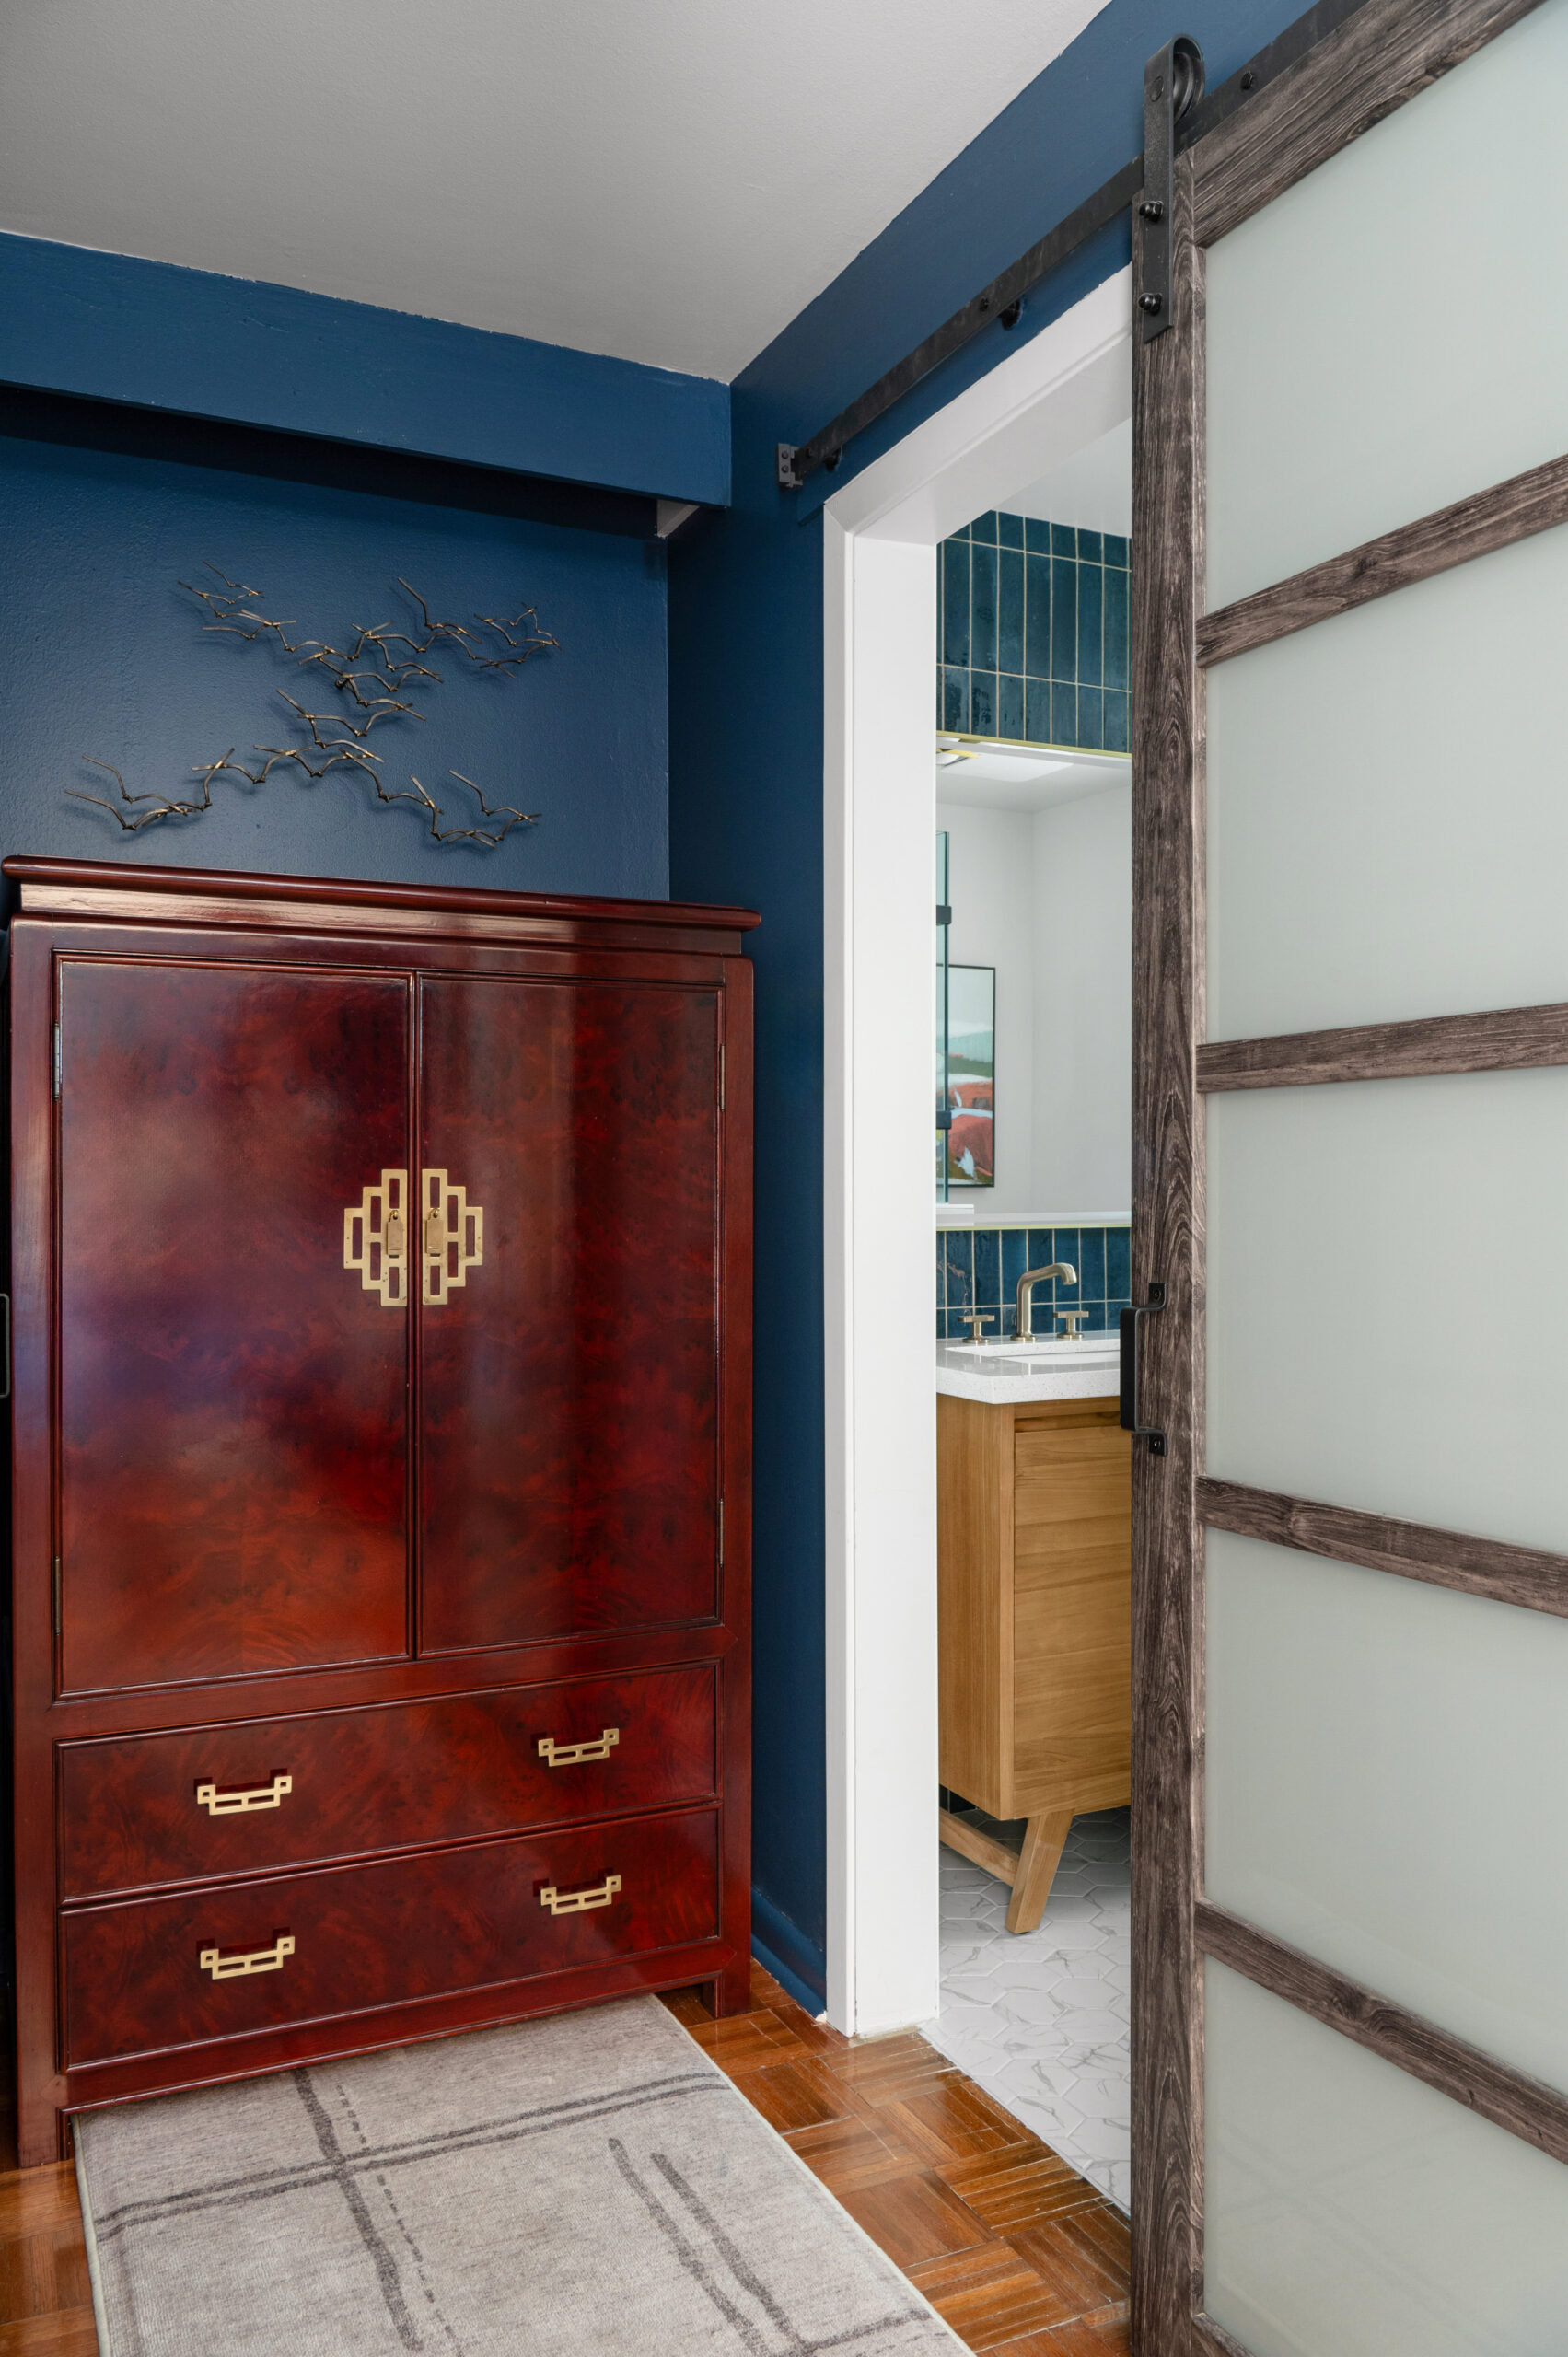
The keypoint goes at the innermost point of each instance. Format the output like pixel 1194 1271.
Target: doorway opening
pixel 1020 803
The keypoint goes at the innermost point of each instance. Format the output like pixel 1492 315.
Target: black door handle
pixel 1151 1432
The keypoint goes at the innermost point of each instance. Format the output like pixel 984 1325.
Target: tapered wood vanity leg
pixel 1043 1841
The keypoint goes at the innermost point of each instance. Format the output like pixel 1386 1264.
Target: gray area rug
pixel 587 2183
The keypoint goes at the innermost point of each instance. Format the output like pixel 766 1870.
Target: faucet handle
pixel 1074 1321
pixel 974 1320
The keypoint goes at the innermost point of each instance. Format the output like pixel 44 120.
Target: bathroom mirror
pixel 1034 821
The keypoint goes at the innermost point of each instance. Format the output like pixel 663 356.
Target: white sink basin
pixel 1013 1372
pixel 1059 1350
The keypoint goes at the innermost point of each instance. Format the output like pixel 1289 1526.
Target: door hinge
pixel 57 1060
pixel 1173 84
pixel 721 1534
pixel 720 1080
pixel 57 1613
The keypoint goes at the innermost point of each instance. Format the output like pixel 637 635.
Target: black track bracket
pixel 1173 84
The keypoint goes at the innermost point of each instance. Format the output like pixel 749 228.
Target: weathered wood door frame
pixel 1387 52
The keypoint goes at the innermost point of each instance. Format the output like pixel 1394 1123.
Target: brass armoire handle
pixel 376 1238
pixel 578 1902
pixel 451 1237
pixel 239 1968
pixel 242 1803
pixel 569 1755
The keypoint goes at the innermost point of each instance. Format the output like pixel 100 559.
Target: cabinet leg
pixel 1043 1839
pixel 732 1989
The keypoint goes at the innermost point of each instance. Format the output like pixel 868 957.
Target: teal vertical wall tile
pixel 954 601
pixel 1010 609
pixel 1063 618
pixel 980 1268
pixel 1037 617
pixel 1090 615
pixel 983 608
pixel 1118 1263
pixel 1115 632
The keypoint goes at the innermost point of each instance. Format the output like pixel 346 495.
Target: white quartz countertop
pixel 997 1373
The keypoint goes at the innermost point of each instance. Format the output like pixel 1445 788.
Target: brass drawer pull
pixel 571 1755
pixel 237 1967
pixel 241 1804
pixel 576 1902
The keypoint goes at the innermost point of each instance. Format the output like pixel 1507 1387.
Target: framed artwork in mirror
pixel 971 1075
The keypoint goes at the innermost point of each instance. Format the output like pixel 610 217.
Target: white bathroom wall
pixel 990 877
pixel 1082 1024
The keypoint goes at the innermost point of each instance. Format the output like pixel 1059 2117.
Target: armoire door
pixel 568 1307
pixel 1351 1545
pixel 233 1469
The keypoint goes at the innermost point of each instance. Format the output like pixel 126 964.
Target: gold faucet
pixel 1027 1283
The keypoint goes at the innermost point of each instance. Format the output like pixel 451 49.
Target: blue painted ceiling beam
pixel 113 328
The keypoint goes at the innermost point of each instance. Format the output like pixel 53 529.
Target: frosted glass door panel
pixel 1382 339
pixel 1389 806
pixel 1353 2212
pixel 1388 1300
pixel 1377 1759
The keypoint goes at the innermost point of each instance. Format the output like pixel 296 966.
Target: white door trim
pixel 1056 394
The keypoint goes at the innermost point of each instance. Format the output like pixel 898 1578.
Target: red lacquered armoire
pixel 381 1271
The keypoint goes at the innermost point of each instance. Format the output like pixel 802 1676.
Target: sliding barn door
pixel 1350 2122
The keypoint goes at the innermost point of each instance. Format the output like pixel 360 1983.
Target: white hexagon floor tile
pixel 1039 2019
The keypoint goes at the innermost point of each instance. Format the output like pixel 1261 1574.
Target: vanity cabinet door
pixel 232 1461
pixel 568 1309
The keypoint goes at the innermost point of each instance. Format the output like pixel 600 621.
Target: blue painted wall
pixel 110 327
pixel 102 509
pixel 745 770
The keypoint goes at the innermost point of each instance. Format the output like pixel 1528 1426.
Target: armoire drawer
pixel 146 1974
pixel 246 1799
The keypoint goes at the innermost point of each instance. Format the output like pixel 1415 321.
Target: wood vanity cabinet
pixel 382 1295
pixel 1034 1608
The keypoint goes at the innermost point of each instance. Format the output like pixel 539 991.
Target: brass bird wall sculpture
pixel 375 682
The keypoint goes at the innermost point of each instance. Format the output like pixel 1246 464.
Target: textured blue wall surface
pixel 103 510
pixel 746 768
pixel 113 328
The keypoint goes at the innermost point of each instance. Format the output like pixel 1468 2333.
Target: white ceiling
pixel 1094 488
pixel 669 180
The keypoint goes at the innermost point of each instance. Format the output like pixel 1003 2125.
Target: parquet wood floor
pixel 1022 2256
pixel 1018 2252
